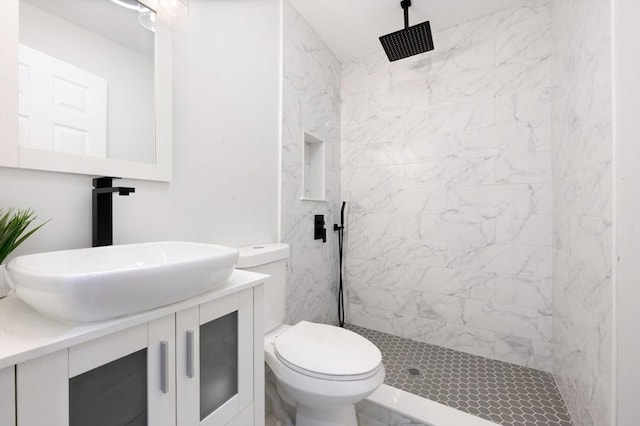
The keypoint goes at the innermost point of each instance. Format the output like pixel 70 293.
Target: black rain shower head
pixel 409 41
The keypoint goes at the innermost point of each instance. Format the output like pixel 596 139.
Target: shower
pixel 448 164
pixel 410 41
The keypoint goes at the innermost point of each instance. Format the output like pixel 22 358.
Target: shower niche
pixel 313 168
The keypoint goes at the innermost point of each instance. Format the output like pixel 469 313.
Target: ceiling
pixel 351 27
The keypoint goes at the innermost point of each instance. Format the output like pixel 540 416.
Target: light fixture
pixel 176 7
pixel 129 4
pixel 147 18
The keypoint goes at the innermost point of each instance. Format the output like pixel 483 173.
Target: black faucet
pixel 102 220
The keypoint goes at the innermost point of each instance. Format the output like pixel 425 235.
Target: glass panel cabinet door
pixel 215 360
pixel 123 379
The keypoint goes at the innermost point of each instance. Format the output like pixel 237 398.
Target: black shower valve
pixel 319 231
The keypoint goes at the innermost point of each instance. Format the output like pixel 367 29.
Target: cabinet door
pixel 125 378
pixel 246 417
pixel 214 360
pixel 7 397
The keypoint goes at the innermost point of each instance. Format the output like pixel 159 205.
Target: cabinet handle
pixel 164 366
pixel 190 354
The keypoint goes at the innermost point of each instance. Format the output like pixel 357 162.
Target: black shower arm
pixel 405 5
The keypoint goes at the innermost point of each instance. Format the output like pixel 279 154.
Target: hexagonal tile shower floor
pixel 494 390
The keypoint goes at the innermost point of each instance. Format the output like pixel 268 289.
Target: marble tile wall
pixel 311 103
pixel 446 168
pixel 582 207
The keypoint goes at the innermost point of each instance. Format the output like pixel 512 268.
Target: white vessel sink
pixel 101 283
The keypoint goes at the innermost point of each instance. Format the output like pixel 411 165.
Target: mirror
pixel 85 78
pixel 92 81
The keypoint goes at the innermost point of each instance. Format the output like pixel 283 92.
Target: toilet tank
pixel 270 259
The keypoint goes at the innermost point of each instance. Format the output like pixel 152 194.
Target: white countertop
pixel 25 334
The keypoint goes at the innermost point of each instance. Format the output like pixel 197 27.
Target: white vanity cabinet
pixel 201 364
pixel 7 397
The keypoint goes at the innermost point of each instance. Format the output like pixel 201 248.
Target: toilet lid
pixel 326 350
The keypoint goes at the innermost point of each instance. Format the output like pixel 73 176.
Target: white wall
pixel 446 164
pixel 627 230
pixel 226 119
pixel 129 75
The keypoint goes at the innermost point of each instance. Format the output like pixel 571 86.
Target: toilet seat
pixel 327 352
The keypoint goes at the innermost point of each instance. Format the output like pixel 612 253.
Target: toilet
pixel 321 369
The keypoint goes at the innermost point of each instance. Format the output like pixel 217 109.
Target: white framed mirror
pixel 85 87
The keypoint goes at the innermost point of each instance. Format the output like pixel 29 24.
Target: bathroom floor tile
pixel 504 393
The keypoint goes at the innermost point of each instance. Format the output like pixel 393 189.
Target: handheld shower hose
pixel 340 229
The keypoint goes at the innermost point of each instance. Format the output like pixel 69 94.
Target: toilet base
pixel 344 415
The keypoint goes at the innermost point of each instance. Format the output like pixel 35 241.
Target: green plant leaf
pixel 13 229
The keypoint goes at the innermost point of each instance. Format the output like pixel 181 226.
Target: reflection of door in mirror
pixel 62 108
pixel 87 78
